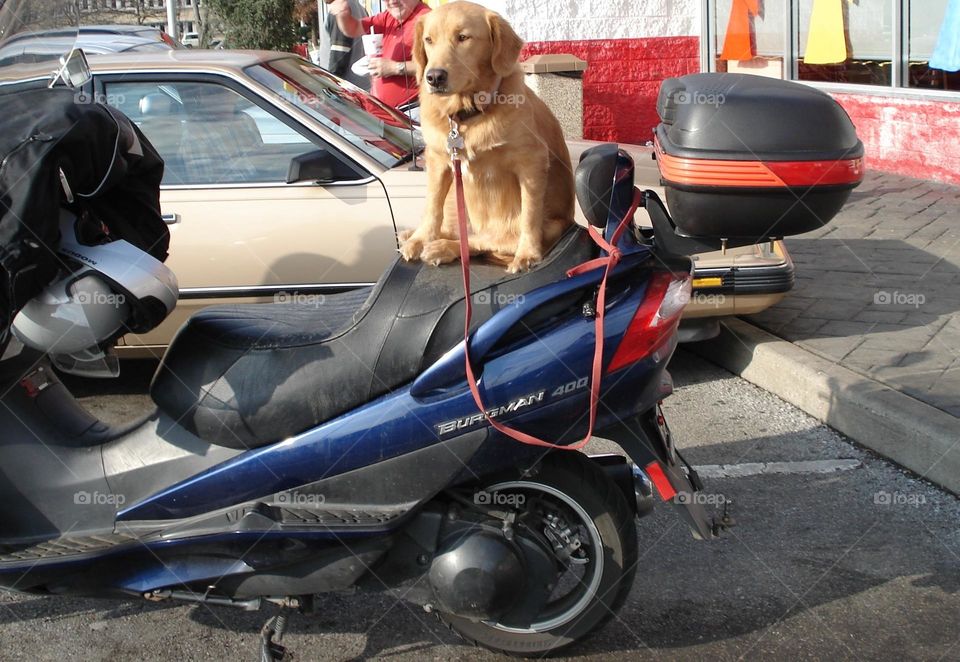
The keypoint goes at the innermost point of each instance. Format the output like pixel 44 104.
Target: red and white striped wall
pixel 630 47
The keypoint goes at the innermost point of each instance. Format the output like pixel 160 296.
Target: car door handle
pixel 171 219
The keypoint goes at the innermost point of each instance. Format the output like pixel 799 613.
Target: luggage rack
pixel 667 236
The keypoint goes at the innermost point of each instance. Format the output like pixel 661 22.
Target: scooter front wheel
pixel 573 507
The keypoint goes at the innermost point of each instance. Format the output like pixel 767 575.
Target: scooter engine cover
pixel 478 575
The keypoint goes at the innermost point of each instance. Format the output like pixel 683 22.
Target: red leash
pixel 608 262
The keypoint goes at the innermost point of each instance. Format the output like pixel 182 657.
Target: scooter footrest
pixel 339 517
pixel 62 547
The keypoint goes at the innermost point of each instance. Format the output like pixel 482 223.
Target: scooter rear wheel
pixel 589 504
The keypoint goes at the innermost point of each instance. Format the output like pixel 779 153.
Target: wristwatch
pixel 401 68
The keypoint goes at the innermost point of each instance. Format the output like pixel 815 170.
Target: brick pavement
pixel 878 290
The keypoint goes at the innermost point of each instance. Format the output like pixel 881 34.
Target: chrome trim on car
pixel 245 185
pixel 267 290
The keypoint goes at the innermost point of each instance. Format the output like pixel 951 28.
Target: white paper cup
pixel 373 45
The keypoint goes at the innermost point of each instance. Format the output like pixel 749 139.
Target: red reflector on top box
pixel 757 174
pixel 747 156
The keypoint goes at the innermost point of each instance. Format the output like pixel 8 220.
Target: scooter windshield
pixel 36 38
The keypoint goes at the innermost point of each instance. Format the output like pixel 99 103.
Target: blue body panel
pixel 399 423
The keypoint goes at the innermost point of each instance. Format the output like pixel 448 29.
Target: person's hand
pixel 338 7
pixel 381 67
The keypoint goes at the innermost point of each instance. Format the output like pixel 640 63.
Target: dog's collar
pixel 484 101
pixel 465 115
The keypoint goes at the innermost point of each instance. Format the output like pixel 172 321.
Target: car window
pixel 207 133
pixel 273 131
pixel 379 130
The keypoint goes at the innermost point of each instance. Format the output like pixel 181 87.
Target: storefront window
pixel 935 44
pixel 750 36
pixel 846 41
pixel 883 43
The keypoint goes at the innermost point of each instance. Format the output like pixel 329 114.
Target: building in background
pixel 152 13
pixel 630 46
pixel 893 64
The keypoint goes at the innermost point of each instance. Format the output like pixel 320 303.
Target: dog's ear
pixel 506 45
pixel 419 52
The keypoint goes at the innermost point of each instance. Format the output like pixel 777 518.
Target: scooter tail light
pixel 656 319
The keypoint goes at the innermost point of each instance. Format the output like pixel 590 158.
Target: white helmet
pixel 75 313
pixel 115 288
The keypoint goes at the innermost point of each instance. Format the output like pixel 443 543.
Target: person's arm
pixel 341 48
pixel 346 21
pixel 384 68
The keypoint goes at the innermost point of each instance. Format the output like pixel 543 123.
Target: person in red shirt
pixel 394 74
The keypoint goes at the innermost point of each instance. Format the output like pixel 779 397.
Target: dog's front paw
pixel 439 252
pixel 403 235
pixel 524 260
pixel 411 248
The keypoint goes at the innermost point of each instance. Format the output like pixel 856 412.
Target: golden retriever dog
pixel 517 177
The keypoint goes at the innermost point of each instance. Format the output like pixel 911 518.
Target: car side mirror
pixel 74 70
pixel 316 166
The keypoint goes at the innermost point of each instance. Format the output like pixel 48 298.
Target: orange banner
pixel 740 43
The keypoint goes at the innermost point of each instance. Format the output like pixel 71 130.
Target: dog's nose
pixel 437 77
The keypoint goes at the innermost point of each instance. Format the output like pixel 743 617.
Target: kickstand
pixel 270 650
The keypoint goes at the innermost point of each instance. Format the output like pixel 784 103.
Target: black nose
pixel 437 77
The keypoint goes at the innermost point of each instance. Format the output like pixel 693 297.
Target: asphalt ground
pixel 860 563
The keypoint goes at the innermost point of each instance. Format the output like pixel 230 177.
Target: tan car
pixel 283 183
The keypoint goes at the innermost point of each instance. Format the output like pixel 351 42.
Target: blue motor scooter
pixel 298 450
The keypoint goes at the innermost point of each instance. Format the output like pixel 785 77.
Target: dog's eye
pixel 462 37
pixel 429 40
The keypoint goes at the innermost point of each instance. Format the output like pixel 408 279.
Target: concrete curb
pixel 913 434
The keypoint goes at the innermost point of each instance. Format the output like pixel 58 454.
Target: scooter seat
pixel 245 376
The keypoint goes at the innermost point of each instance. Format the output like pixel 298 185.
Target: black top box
pixel 748 156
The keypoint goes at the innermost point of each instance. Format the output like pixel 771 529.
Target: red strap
pixel 608 262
